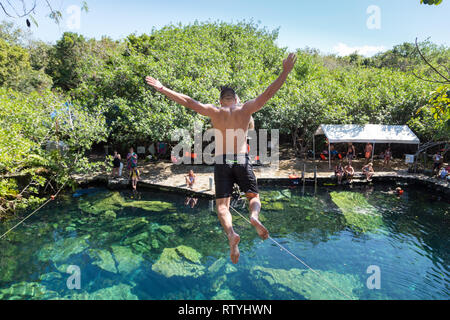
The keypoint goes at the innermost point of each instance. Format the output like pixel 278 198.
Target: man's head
pixel 227 97
pixel 131 150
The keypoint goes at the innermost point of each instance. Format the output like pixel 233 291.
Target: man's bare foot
pixel 260 229
pixel 234 249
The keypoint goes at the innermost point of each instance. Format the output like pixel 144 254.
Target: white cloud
pixel 341 49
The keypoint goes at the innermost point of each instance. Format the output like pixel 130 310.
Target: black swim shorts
pixel 232 169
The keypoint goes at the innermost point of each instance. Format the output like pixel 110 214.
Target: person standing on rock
pixel 132 163
pixel 232 165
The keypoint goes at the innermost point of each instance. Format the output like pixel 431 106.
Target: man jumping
pixel 232 160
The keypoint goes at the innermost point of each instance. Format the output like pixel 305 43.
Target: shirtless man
pixel 232 160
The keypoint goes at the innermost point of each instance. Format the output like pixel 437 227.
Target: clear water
pixel 124 248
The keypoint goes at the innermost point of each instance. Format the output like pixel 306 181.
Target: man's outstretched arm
pixel 256 104
pixel 184 100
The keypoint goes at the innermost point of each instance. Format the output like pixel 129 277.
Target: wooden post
pixel 314 148
pixel 315 175
pixel 329 155
pixel 373 150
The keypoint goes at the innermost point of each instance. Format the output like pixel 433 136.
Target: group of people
pixel 132 167
pixel 439 169
pixel 351 154
pixel 348 172
pixel 134 175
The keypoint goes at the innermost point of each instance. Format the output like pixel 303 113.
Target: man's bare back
pixel 231 125
pixel 231 122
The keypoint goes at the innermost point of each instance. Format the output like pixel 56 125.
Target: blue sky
pixel 333 26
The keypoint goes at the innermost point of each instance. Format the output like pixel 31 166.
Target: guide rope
pixel 298 259
pixel 52 198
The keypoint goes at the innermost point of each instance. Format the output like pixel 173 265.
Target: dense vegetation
pixel 80 91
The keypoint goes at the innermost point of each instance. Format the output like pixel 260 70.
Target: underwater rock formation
pixel 305 283
pixel 118 292
pixel 221 266
pixel 127 261
pixel 167 229
pixel 103 259
pixel 99 203
pixel 180 261
pixel 26 291
pixel 223 294
pixel 61 250
pixel 359 214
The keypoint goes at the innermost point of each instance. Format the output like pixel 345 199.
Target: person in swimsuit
pixel 387 157
pixel 349 172
pixel 339 172
pixel 350 153
pixel 117 162
pixel 232 164
pixel 134 176
pixel 368 171
pixel 368 152
pixel 190 179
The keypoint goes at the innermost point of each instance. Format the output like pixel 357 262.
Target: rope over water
pixel 242 216
pixel 298 259
pixel 28 216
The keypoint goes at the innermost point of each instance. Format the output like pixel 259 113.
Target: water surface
pixel 154 246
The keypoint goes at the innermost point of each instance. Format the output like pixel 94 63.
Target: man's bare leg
pixel 255 208
pixel 223 212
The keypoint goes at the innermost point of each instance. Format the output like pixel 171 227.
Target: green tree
pixel 29 125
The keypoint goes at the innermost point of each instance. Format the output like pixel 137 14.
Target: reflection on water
pixel 163 246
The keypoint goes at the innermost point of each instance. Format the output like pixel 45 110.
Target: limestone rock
pixel 103 259
pixel 181 261
pixel 61 250
pixel 127 261
pixel 306 283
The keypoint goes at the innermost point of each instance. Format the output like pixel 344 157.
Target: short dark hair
pixel 227 92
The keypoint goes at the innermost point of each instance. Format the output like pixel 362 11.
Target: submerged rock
pixel 273 206
pixel 221 266
pixel 359 214
pixel 189 253
pixel 137 238
pixel 167 229
pixel 50 276
pixel 117 292
pixel 61 250
pixel 181 261
pixel 153 206
pixel 99 203
pixel 109 215
pixel 306 283
pixel 27 291
pixel 103 259
pixel 127 261
pixel 155 244
pixel 224 294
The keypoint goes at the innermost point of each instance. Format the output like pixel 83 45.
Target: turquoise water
pixel 153 246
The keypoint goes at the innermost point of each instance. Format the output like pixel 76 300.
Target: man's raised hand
pixel 153 82
pixel 289 62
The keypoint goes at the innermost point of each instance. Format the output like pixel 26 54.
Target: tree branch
pixel 430 65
